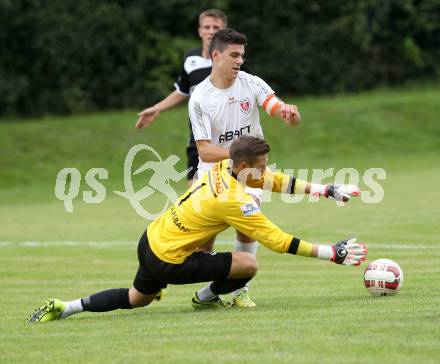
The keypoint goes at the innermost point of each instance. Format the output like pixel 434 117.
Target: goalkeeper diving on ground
pixel 168 249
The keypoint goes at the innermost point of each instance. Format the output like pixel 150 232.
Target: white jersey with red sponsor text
pixel 222 115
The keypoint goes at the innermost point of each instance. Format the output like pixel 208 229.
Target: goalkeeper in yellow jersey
pixel 168 250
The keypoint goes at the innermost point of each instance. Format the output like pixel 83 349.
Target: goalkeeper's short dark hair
pixel 225 37
pixel 247 149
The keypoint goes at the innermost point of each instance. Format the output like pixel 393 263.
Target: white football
pixel 383 277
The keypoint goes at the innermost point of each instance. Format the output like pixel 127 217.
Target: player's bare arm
pixel 286 112
pixel 147 116
pixel 209 152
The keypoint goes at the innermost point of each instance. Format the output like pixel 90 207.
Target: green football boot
pixel 216 303
pixel 50 311
pixel 243 300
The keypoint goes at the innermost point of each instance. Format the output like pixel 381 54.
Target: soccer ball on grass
pixel 383 277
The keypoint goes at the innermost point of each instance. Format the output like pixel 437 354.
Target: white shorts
pixel 256 193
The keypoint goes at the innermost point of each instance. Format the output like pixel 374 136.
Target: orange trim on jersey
pixel 268 98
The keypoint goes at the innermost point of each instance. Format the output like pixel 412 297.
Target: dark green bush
pixel 82 55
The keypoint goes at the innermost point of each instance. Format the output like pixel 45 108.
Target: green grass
pixel 343 129
pixel 308 311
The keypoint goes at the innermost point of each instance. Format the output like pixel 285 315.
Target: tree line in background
pixel 71 56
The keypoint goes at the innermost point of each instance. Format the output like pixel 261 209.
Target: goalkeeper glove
pixel 337 192
pixel 346 252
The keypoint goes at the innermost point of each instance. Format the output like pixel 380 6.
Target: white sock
pixel 247 248
pixel 205 294
pixel 72 307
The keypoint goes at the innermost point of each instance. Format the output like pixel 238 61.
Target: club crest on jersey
pixel 245 106
pixel 249 209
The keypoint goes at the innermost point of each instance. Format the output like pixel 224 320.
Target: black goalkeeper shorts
pixel 154 274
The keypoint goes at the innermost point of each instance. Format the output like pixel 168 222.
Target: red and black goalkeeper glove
pixel 337 192
pixel 348 252
pixel 341 192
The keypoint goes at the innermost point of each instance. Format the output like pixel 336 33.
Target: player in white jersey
pixel 223 107
pixel 222 115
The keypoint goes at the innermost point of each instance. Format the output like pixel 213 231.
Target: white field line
pixel 130 244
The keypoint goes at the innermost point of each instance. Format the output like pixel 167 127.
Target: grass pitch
pixel 309 311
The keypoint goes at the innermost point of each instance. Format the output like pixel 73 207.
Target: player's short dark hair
pixel 247 149
pixel 224 38
pixel 214 13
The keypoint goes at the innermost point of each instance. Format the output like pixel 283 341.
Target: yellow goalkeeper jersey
pixel 210 206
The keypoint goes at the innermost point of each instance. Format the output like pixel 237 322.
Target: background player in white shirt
pixel 223 107
pixel 195 68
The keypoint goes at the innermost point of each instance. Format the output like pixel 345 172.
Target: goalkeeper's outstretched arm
pixel 283 183
pixel 247 217
pixel 346 252
pixel 338 192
